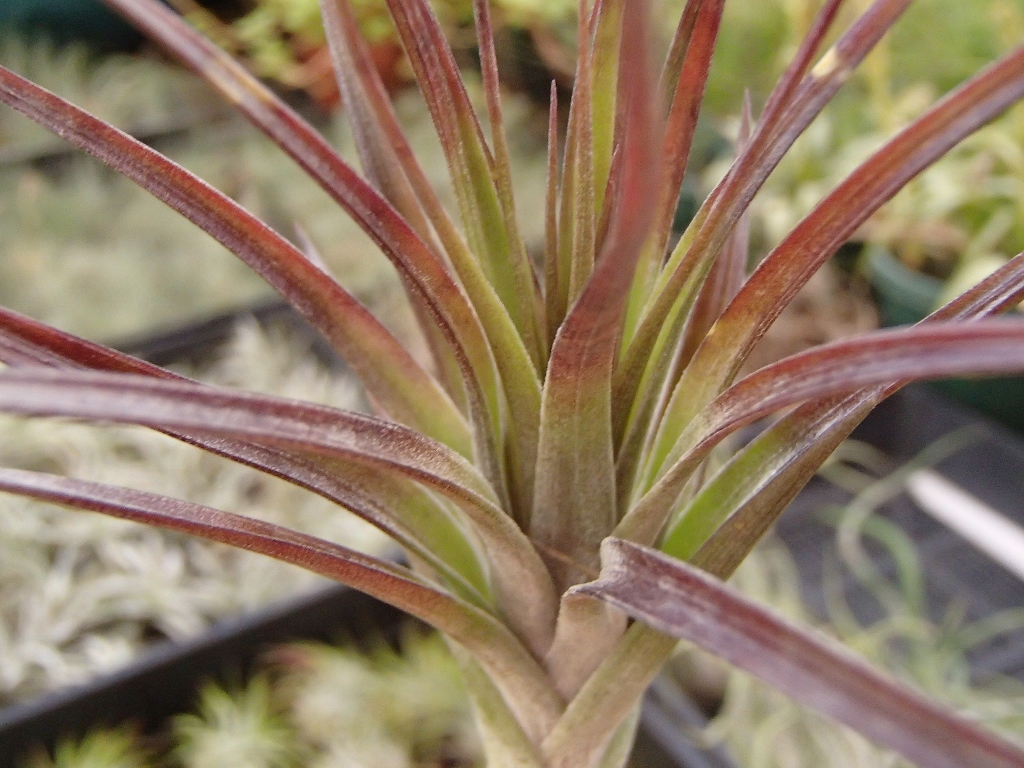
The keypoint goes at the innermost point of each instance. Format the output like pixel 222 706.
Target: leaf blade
pixel 389 161
pixel 575 495
pixel 335 441
pixel 768 473
pixel 388 371
pixel 416 262
pixel 490 226
pixel 522 681
pixel 803 251
pixel 826 373
pixel 683 601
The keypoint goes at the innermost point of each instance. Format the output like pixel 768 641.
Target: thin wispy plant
pixel 546 470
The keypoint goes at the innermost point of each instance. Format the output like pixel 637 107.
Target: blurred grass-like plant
pixel 546 470
pixel 285 41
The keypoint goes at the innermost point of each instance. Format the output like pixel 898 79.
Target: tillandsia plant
pixel 547 470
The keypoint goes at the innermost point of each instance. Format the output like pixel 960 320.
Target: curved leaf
pixel 753 489
pixel 662 321
pixel 389 162
pixel 605 28
pixel 397 507
pixel 521 679
pixel 805 249
pixel 681 600
pixel 931 350
pixel 490 224
pixel 334 442
pixel 418 265
pixel 390 374
pixel 723 282
pixel 687 94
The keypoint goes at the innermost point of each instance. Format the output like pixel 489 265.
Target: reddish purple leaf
pixel 393 378
pixel 649 353
pixel 522 680
pixel 682 601
pixel 322 438
pixel 419 266
pixel 754 488
pixel 686 98
pixel 26 342
pixel 489 222
pixel 574 506
pixel 804 250
pixel 930 350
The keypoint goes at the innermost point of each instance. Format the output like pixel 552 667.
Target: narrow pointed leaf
pixel 414 519
pixel 749 494
pixel 575 498
pixel 418 265
pixel 932 350
pixel 523 682
pixel 388 157
pixel 925 351
pixel 558 303
pixel 804 250
pixel 390 374
pixel 724 281
pixel 685 602
pixel 383 149
pixel 553 293
pixel 683 110
pixel 503 163
pixel 490 227
pixel 582 212
pixel 727 274
pixel 673 287
pixel 333 440
pixel 385 155
pixel 604 94
pixel 664 319
pixel 652 258
pixel 390 163
pixel 754 488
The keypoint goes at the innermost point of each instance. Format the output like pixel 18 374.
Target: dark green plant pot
pixel 904 297
pixel 66 21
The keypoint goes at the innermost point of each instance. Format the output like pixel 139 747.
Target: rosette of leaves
pixel 547 470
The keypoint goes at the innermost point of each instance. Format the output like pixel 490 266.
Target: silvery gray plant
pixel 546 470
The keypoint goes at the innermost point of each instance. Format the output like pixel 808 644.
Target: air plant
pixel 241 728
pixel 546 471
pixel 111 748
